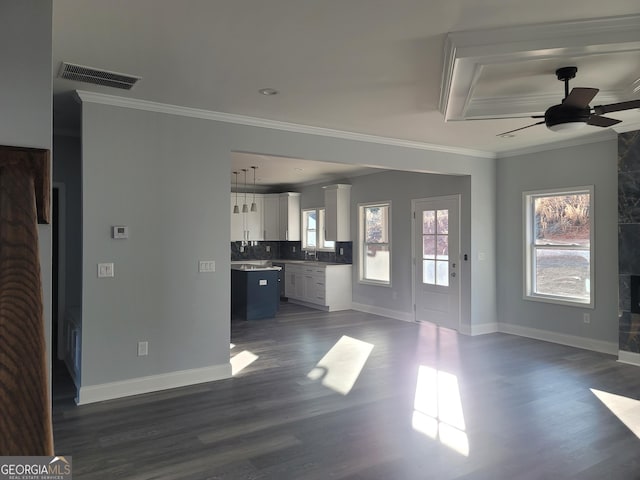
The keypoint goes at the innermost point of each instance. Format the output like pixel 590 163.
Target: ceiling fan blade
pixel 599 121
pixel 518 129
pixel 617 107
pixel 580 97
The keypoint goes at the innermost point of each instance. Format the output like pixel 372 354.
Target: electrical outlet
pixel 143 349
pixel 241 249
pixel 268 248
pixel 293 249
pixel 341 251
pixel 586 318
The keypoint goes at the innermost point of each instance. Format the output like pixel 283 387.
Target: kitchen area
pixel 283 252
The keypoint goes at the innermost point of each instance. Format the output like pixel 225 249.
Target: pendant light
pixel 245 208
pixel 236 209
pixel 254 207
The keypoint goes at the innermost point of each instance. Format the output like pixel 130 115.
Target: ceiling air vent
pixel 81 73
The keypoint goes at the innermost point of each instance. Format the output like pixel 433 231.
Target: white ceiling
pixel 366 67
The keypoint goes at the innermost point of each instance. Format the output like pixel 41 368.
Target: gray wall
pixel 25 98
pixel 400 188
pixel 592 164
pixel 167 178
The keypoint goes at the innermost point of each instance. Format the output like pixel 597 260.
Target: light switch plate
pixel 119 232
pixel 105 270
pixel 206 266
pixel 143 349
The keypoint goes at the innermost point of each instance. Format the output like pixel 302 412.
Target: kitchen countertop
pixel 265 264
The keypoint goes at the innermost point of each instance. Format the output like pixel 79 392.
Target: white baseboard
pixel 571 340
pixel 484 328
pixel 629 357
pixel 153 383
pixel 383 312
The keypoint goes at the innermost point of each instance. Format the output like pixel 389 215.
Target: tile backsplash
pixel 288 251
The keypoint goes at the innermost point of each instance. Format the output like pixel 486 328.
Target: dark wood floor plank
pixel 527 406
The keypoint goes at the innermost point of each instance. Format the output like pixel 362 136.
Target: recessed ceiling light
pixel 268 91
pixel 506 135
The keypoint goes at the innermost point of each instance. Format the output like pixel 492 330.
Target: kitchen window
pixel 375 243
pixel 313 231
pixel 559 246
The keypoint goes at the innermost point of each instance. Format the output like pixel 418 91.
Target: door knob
pixel 453 274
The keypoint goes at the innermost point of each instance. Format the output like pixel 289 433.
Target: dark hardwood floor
pixel 506 407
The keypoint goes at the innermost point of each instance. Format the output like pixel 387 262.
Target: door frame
pixel 59 336
pixel 458 198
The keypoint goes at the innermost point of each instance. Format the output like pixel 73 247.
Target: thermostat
pixel 120 231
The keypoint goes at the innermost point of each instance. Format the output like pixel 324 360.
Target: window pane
pixel 311 238
pixel 376 224
pixel 311 219
pixel 443 221
pixel 563 273
pixel 429 246
pixel 443 247
pixel 376 263
pixel 562 220
pixel 429 221
pixel 442 273
pixel 429 272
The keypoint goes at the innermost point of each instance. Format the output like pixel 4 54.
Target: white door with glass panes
pixel 437 261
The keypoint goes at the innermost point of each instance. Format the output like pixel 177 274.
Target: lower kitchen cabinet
pixel 327 287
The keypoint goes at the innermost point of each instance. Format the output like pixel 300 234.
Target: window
pixel 375 246
pixel 313 231
pixel 559 243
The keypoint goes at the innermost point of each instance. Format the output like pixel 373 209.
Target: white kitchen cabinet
pixel 290 216
pixel 237 220
pixel 337 216
pixel 327 287
pixel 254 220
pixel 246 226
pixel 271 216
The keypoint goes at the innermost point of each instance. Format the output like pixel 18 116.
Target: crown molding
pixel 136 104
pixel 598 137
pixel 467 53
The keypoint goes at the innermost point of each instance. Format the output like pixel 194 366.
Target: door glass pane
pixel 429 272
pixel 443 221
pixel 443 247
pixel 429 246
pixel 442 273
pixel 429 221
pixel 561 272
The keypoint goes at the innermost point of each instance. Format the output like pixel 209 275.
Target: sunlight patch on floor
pixel 626 409
pixel 241 361
pixel 341 366
pixel 438 409
pixel 231 345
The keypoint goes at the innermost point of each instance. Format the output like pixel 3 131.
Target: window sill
pixel 560 301
pixel 374 283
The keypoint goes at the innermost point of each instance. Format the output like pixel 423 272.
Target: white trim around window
pixel 567 275
pixel 379 271
pixel 317 231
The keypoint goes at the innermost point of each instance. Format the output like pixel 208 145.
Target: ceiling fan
pixel 574 111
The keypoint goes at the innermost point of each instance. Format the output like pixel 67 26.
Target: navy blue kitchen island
pixel 255 293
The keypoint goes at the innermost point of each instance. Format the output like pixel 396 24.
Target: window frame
pixel 362 246
pixel 320 231
pixel 530 248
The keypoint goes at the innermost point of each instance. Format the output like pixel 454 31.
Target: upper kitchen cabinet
pixel 271 216
pixel 290 216
pixel 247 226
pixel 337 204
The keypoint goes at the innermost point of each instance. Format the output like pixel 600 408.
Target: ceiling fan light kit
pixel 574 112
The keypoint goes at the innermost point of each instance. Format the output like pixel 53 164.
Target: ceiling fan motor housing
pixel 559 114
